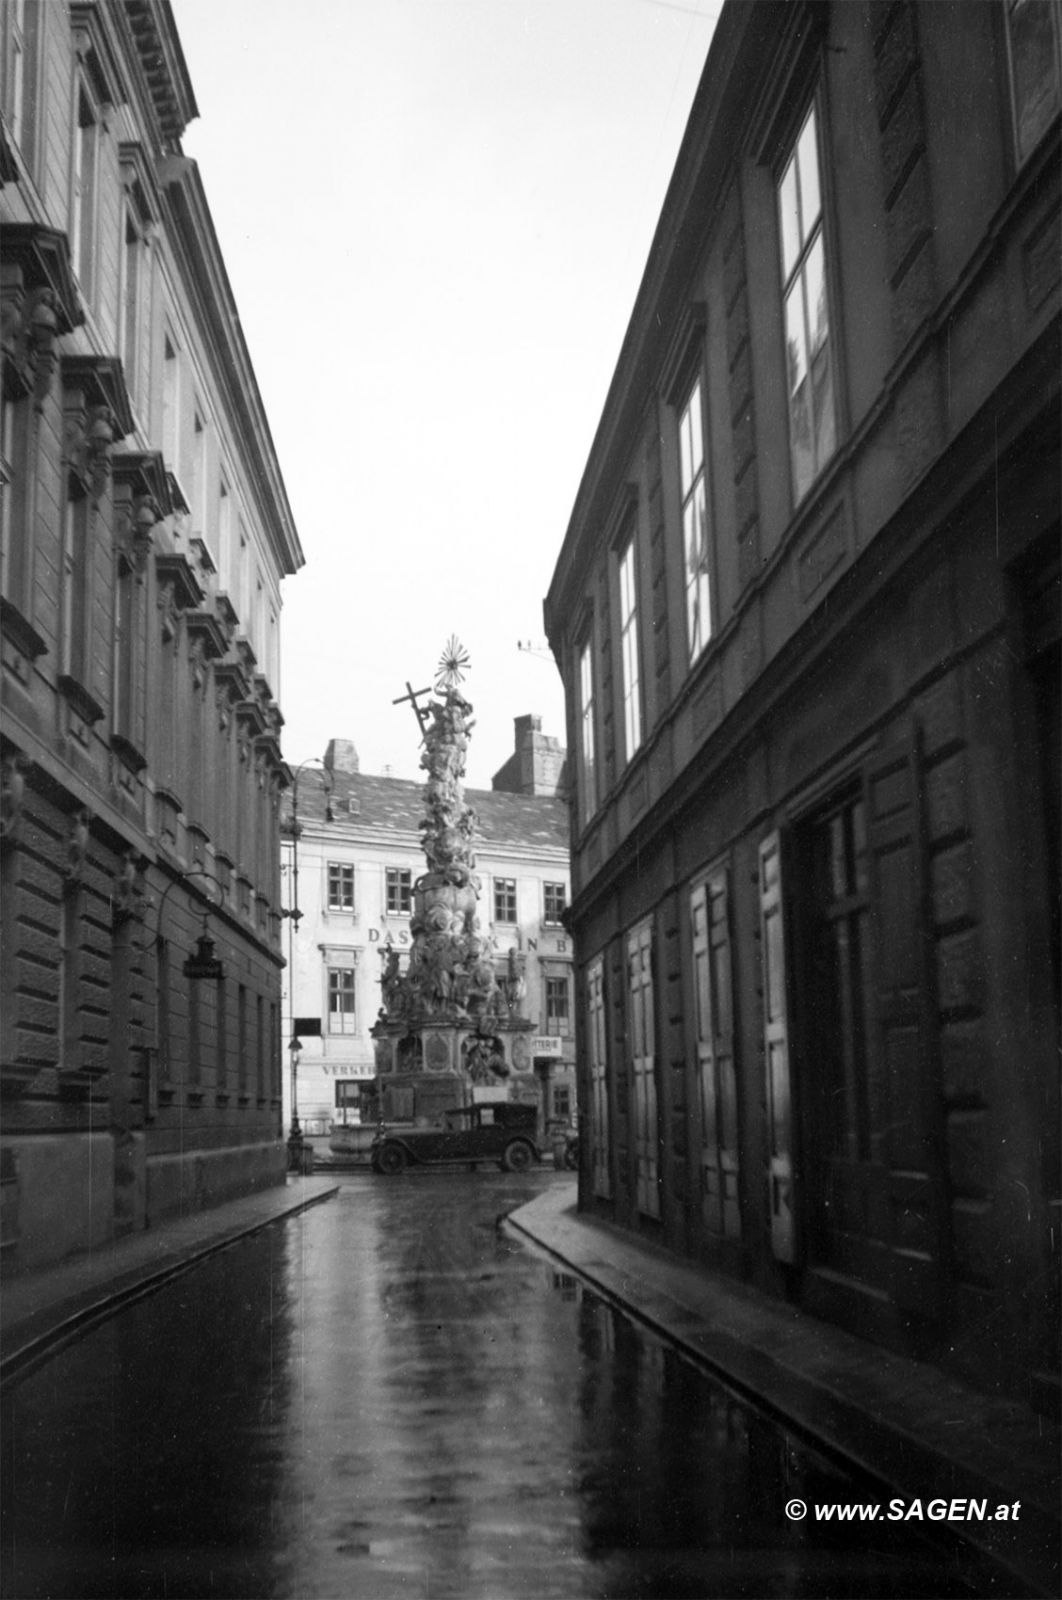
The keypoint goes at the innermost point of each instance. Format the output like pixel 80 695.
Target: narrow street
pixel 391 1395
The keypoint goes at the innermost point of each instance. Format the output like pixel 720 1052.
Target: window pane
pixel 808 159
pixel 821 369
pixel 790 221
pixel 800 424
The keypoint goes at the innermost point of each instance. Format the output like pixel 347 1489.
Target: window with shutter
pixel 641 1034
pixel 600 1131
pixel 776 1052
pixel 714 1021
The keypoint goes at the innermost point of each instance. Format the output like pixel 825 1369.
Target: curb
pixel 64 1324
pixel 883 1450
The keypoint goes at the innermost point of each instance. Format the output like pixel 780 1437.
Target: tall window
pixel 587 761
pixel 399 891
pixel 840 976
pixel 505 899
pixel 15 57
pixel 558 1013
pixel 83 197
pixel 1033 48
pixel 598 1063
pixel 199 470
pixel 75 585
pixel 129 299
pixel 632 691
pixel 695 524
pixel 7 494
pixel 555 898
pixel 809 371
pixel 340 886
pixel 341 1000
pixel 171 399
pixel 225 538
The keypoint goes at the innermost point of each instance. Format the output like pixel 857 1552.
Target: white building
pixel 348 869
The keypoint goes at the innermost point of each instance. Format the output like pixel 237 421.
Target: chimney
pixel 537 767
pixel 341 756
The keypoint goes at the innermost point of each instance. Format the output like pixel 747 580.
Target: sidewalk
pixel 921 1434
pixel 42 1310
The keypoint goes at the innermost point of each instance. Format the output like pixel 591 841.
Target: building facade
pixel 807 616
pixel 145 530
pixel 357 855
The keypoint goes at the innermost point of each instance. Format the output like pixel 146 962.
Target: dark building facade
pixel 145 530
pixel 807 616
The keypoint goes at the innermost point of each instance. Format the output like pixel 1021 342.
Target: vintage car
pixel 501 1132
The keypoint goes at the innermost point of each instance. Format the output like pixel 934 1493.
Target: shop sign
pixel 546 1044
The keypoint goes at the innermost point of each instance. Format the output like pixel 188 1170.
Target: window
pixel 199 471
pixel 839 975
pixel 75 576
pixel 341 1000
pixel 587 763
pixel 1033 50
pixel 128 299
pixel 15 68
pixel 399 891
pixel 340 886
pixel 562 1101
pixel 809 372
pixel 695 524
pixel 171 398
pixel 505 899
pixel 7 493
pixel 558 1018
pixel 556 900
pixel 714 1027
pixel 598 1063
pixel 84 189
pixel 632 700
pixel 225 538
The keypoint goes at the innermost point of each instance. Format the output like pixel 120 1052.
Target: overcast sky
pixel 435 215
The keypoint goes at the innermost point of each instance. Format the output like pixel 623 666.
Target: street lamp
pixel 326 779
pixel 295 1141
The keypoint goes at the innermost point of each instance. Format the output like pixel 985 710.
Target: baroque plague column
pixel 451 1030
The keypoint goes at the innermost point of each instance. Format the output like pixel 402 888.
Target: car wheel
pixel 517 1157
pixel 392 1159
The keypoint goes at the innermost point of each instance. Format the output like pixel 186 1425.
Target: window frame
pixel 701 573
pixel 556 920
pixel 630 645
pixel 342 870
pixel 398 895
pixel 341 982
pixel 587 732
pixel 504 887
pixel 557 1004
pixel 793 279
pixel 84 183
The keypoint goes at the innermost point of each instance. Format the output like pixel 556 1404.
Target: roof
pixel 397 805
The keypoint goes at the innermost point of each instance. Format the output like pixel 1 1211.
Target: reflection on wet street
pixel 389 1395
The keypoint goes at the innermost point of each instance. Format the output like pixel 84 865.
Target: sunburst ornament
pixel 452 663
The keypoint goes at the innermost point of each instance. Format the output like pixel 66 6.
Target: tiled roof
pixel 398 803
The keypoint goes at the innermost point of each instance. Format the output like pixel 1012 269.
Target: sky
pixel 435 215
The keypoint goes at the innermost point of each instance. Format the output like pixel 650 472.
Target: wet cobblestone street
pixel 391 1395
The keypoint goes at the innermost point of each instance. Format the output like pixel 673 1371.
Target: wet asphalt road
pixel 390 1395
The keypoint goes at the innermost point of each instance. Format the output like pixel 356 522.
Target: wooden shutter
pixel 776 1052
pixel 713 1006
pixel 600 1132
pixel 903 1079
pixel 642 1031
